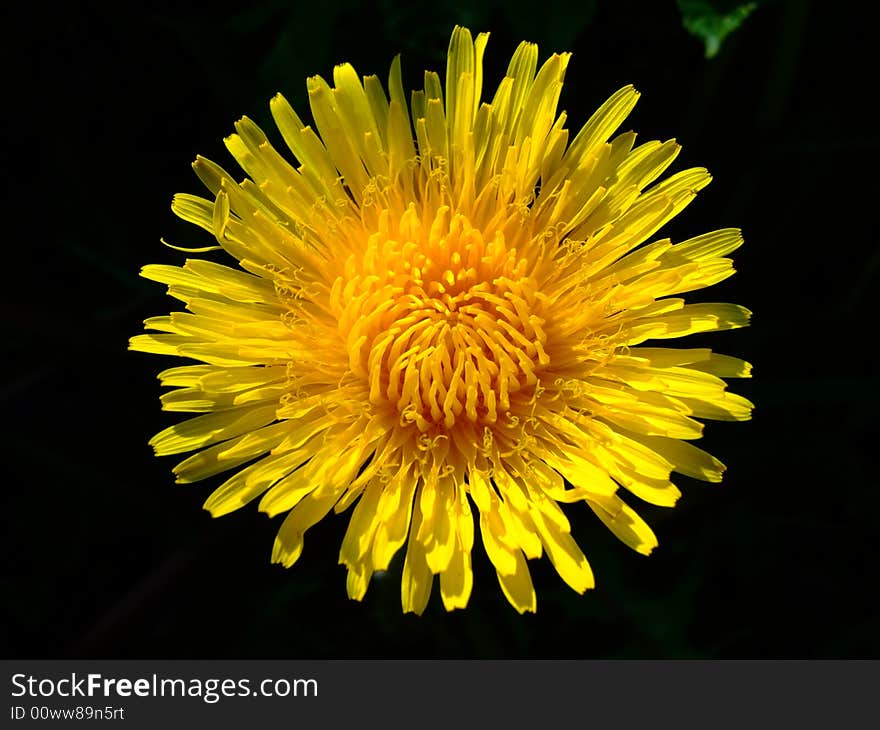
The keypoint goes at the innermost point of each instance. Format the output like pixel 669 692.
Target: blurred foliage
pixel 713 20
pixel 299 39
pixel 410 28
pixel 557 25
pixel 424 28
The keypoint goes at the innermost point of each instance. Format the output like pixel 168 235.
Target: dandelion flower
pixel 435 320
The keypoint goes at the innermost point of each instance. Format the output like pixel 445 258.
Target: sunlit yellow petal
pixel 517 586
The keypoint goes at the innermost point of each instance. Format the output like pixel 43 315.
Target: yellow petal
pixel 361 527
pixel 565 555
pixel 625 524
pixel 415 586
pixel 517 586
pixel 289 541
pixel 457 580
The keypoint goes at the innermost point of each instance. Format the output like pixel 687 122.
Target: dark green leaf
pixel 713 20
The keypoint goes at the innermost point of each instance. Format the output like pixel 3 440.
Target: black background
pixel 107 558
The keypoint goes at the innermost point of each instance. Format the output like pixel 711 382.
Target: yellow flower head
pixel 439 308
